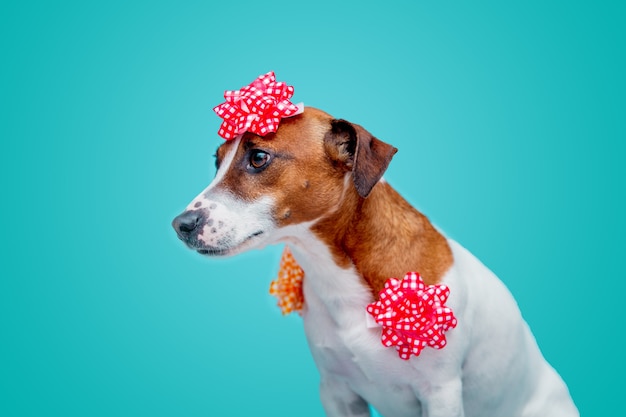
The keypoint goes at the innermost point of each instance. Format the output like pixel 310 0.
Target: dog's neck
pixel 383 236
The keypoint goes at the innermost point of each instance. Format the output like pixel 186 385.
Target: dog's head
pixel 294 177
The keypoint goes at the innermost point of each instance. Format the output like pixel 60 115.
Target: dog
pixel 317 184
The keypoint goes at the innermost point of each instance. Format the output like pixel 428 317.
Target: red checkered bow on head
pixel 256 108
pixel 413 315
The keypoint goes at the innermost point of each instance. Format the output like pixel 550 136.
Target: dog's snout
pixel 186 223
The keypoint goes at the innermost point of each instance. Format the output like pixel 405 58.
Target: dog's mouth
pixel 230 250
pixel 211 252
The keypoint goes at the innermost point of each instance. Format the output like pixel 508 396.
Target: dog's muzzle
pixel 215 228
pixel 188 224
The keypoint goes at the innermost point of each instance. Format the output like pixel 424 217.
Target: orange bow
pixel 288 286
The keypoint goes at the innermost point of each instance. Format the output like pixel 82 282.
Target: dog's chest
pixel 335 326
pixel 343 346
pixel 345 349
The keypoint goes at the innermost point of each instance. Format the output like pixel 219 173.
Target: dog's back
pixel 504 371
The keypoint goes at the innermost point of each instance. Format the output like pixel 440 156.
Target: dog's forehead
pixel 298 134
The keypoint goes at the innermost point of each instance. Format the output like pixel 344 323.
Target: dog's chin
pixel 254 241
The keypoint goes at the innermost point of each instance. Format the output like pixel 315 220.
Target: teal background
pixel 509 117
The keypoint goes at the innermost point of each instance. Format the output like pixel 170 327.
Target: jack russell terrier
pixel 316 184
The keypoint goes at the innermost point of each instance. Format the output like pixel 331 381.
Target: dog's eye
pixel 258 159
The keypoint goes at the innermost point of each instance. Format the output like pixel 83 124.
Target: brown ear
pixel 355 148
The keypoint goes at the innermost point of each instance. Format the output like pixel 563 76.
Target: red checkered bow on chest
pixel 413 315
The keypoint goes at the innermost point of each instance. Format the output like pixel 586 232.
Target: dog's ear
pixel 356 149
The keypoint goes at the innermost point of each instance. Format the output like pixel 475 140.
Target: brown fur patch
pixel 382 235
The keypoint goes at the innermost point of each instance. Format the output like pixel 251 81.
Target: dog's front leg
pixel 339 400
pixel 442 399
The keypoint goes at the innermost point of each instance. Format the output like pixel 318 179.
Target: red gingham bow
pixel 256 108
pixel 413 315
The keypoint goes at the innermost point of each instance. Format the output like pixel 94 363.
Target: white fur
pixel 490 367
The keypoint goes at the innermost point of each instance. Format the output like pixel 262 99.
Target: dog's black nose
pixel 186 223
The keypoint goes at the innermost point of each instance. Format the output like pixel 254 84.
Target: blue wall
pixel 509 119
